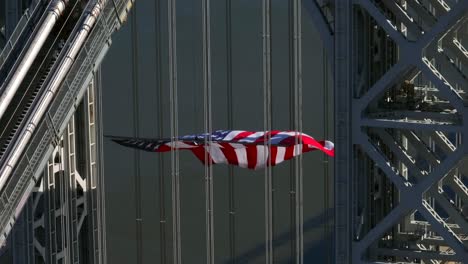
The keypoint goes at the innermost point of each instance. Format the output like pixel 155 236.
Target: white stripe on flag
pixel 179 144
pixel 251 138
pixel 216 154
pixel 289 133
pixel 276 139
pixel 280 155
pixel 329 145
pixel 297 150
pixel 262 156
pixel 232 134
pixel 241 154
pixel 237 145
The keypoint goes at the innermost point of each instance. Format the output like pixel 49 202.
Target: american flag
pixel 253 150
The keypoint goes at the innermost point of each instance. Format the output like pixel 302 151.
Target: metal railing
pixel 19 30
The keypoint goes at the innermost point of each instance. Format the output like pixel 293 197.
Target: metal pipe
pixel 53 86
pixel 55 11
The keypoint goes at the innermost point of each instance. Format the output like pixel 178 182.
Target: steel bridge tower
pixel 401 195
pixel 51 199
pixel 401 121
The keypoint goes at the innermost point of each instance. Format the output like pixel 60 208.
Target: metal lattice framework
pixel 401 116
pixel 64 206
pixel 62 220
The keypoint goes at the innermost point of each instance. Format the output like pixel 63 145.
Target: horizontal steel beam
pixel 417 254
pixel 415 125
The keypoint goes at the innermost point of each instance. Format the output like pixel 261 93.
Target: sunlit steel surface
pixel 63 220
pixel 401 122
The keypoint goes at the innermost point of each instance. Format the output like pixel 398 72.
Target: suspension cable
pixel 174 116
pixel 326 173
pixel 292 167
pixel 297 50
pixel 162 184
pixel 267 80
pixel 102 181
pixel 136 156
pixel 231 184
pixel 208 129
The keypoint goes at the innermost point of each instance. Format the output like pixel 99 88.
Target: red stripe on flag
pixel 251 156
pixel 320 145
pixel 289 154
pixel 242 135
pixel 229 153
pixel 327 151
pixel 310 141
pixel 272 159
pixel 163 148
pixel 273 133
pixel 200 154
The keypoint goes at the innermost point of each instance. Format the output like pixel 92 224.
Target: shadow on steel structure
pixel 400 80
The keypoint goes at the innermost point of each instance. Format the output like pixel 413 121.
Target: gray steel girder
pixel 414 27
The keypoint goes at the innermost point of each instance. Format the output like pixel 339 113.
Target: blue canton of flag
pixel 219 134
pixel 190 137
pixel 216 135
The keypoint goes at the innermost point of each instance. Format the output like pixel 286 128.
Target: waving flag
pixel 246 149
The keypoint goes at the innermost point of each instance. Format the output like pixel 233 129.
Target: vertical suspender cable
pixel 232 209
pixel 174 131
pixel 136 124
pixel 326 97
pixel 297 49
pixel 292 168
pixel 208 129
pixel 267 80
pixel 102 200
pixel 162 184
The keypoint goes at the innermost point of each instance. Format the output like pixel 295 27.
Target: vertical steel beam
pixel 63 218
pixel 344 178
pixel 396 147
